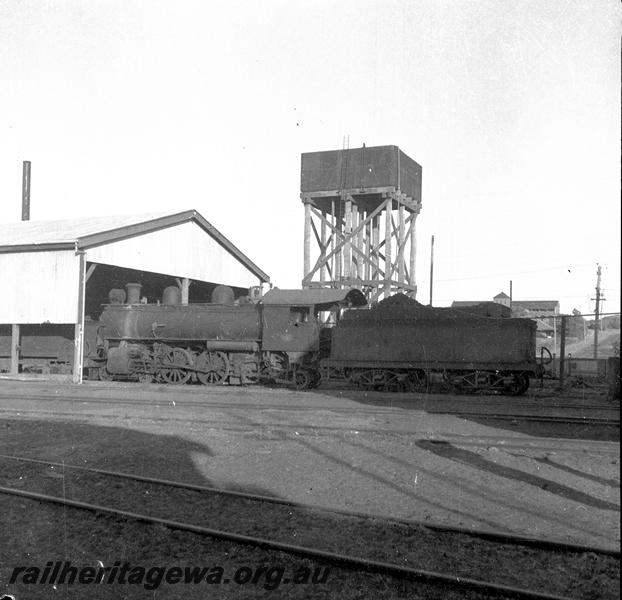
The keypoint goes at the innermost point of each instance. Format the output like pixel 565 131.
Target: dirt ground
pixel 386 454
pixel 366 452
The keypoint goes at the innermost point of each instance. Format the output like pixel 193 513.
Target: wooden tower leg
pixel 400 248
pixel 387 248
pixel 307 239
pixel 413 254
pixel 323 246
pixel 347 247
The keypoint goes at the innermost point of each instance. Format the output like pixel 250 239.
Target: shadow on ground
pixel 109 448
pixel 455 404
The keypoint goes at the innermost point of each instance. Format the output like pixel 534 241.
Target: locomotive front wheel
pixel 173 366
pixel 105 374
pixel 144 378
pixel 212 367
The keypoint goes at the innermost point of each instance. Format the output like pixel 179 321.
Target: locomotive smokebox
pixel 223 294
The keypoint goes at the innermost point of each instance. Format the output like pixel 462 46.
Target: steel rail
pixel 460 415
pixel 342 560
pixel 531 417
pixel 358 410
pixel 480 533
pixel 181 401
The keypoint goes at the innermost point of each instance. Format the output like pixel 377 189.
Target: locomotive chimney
pixel 26 191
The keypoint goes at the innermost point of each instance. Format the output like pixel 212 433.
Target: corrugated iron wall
pixel 39 287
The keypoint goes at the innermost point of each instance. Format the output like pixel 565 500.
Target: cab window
pixel 299 315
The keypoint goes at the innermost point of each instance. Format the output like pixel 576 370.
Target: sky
pixel 511 107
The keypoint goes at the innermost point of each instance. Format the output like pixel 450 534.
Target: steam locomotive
pixel 302 337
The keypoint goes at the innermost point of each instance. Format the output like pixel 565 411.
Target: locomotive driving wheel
pixel 302 379
pixel 174 366
pixel 316 379
pixel 212 367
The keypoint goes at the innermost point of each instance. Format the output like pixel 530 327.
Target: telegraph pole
pixel 510 297
pixel 431 269
pixel 26 190
pixel 597 312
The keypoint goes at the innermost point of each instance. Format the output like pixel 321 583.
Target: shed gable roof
pixel 81 234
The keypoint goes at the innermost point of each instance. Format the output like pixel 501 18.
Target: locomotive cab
pixel 292 324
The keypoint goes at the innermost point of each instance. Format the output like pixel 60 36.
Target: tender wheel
pixel 392 382
pixel 417 381
pixel 213 367
pixel 174 365
pixel 144 377
pixel 375 380
pixel 519 385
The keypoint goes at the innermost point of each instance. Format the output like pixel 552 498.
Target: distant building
pixel 502 298
pixel 542 311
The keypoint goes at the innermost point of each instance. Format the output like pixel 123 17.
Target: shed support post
pixel 78 339
pixel 14 349
pixel 185 290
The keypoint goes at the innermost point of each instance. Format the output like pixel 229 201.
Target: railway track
pixel 547 444
pixel 533 418
pixel 358 409
pixel 268 523
pixel 301 427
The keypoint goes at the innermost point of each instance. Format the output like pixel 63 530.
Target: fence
pixel 579 344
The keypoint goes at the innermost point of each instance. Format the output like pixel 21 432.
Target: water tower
pixel 361 206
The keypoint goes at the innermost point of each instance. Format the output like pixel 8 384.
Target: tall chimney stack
pixel 26 191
